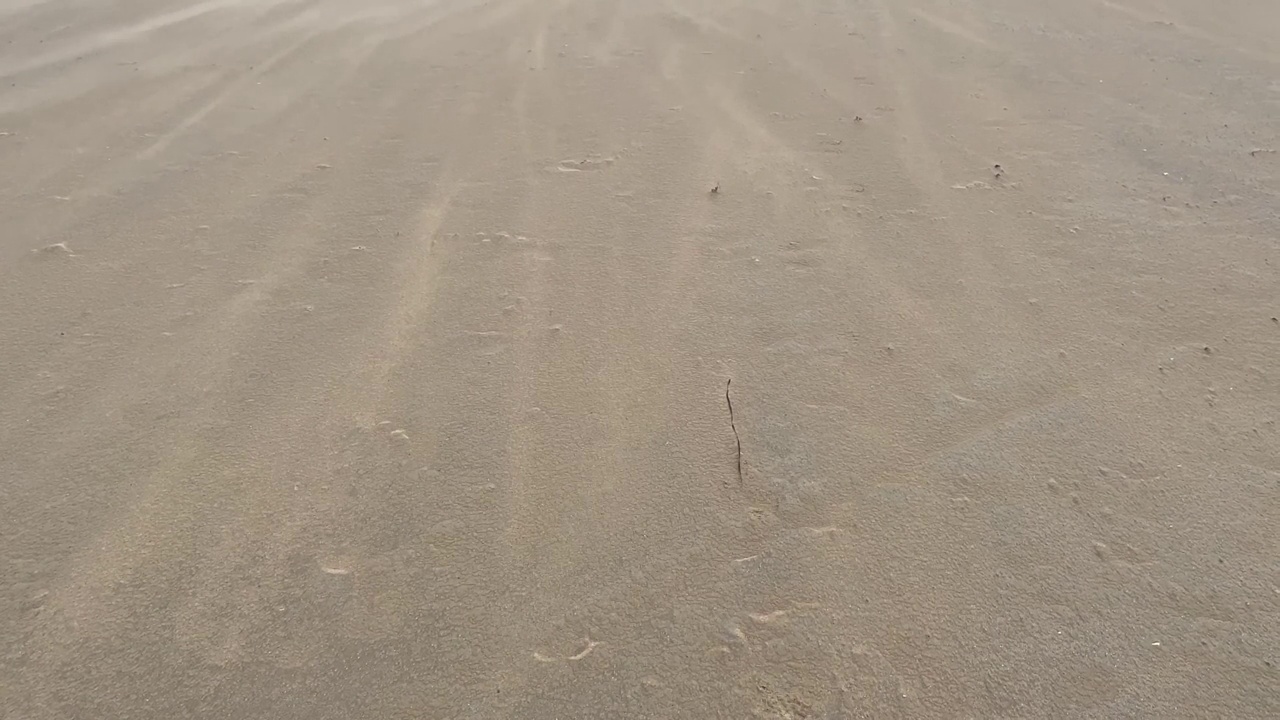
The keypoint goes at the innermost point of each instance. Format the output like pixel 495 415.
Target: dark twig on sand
pixel 732 424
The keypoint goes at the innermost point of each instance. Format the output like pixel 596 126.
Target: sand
pixel 369 359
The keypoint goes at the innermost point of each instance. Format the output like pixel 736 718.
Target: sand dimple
pixel 587 164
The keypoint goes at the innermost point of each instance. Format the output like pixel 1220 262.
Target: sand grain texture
pixel 369 359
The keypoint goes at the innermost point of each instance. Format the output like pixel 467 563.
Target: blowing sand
pixel 368 359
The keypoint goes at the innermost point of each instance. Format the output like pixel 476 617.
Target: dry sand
pixel 368 359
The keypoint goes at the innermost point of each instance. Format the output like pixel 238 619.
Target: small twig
pixel 732 424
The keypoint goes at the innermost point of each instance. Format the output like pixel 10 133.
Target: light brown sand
pixel 367 359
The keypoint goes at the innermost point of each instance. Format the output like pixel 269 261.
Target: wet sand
pixel 369 359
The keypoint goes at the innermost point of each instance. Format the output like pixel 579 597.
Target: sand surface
pixel 368 359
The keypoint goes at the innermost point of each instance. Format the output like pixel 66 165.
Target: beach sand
pixel 372 359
